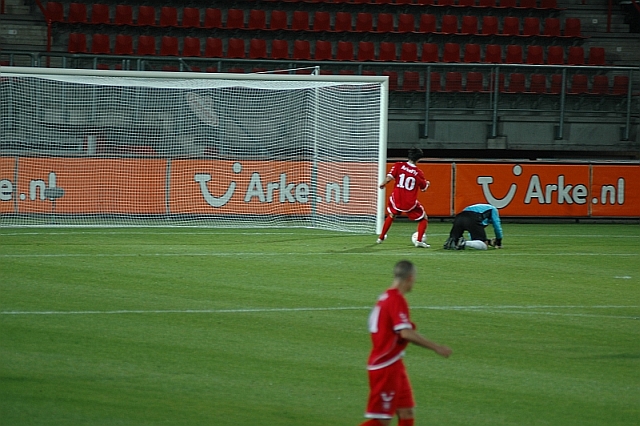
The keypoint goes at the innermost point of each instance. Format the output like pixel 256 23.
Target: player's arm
pixel 497 226
pixel 387 179
pixel 418 339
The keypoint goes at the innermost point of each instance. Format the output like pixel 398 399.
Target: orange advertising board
pixel 271 187
pixel 128 186
pixel 7 177
pixel 615 191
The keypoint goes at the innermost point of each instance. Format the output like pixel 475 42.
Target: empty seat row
pixel 340 51
pixel 476 82
pixel 324 21
pixel 526 4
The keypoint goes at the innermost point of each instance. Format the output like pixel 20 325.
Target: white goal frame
pixel 163 75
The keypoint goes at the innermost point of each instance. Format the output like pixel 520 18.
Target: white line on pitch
pixel 490 309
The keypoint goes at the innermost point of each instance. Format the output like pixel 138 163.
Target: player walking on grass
pixel 404 198
pixel 391 331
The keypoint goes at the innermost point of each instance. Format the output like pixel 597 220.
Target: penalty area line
pixel 490 309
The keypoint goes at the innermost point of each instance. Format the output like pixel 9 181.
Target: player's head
pixel 404 272
pixel 415 154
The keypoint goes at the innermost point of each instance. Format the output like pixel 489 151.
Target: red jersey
pixel 408 180
pixel 388 317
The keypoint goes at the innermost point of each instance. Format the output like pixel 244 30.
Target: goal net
pixel 127 148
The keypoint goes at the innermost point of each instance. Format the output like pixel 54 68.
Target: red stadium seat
pixel 471 52
pixel 487 3
pixel 489 25
pixel 279 49
pixel 538 83
pixel 409 52
pixel 100 13
pixel 257 48
pixel 77 43
pixel 191 17
pixel 453 81
pixel 278 20
pixel 576 55
pixel 212 18
pixel 600 85
pixel 435 82
pixel 469 24
pixel 384 23
pixel 548 4
pixel 343 22
pixel 493 54
pixel 55 11
pixel 387 51
pixel 445 2
pixel 168 16
pixel 411 81
pixel 323 50
pixel 124 15
pixel 321 21
pixel 235 18
pixel 572 27
pixel 364 22
pixel 466 3
pixel 146 45
pixel 516 83
pixel 213 47
pixel 531 26
pixel 535 55
pixel 301 50
pixel 257 19
pixel 474 82
pixel 508 3
pixel 514 54
pixel 123 45
pixel 556 84
pixel 449 24
pixel 555 55
pixel 430 52
pixel 579 84
pixel 620 85
pixel 345 51
pixel 300 20
pixel 366 51
pixel 77 13
pixel 146 15
pixel 191 47
pixel 406 23
pixel 552 27
pixel 511 26
pixel 235 48
pixel 100 43
pixel 169 46
pixel 451 52
pixel 492 82
pixel 427 23
pixel 596 56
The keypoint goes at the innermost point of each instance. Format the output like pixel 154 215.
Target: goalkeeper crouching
pixel 474 219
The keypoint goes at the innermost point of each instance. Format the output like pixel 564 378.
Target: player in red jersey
pixel 404 198
pixel 391 331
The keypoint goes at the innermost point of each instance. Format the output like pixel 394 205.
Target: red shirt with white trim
pixel 408 180
pixel 388 317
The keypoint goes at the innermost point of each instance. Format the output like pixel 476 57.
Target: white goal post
pixel 136 148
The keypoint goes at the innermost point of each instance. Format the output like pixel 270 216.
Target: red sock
pixel 405 422
pixel 422 227
pixel 372 422
pixel 387 224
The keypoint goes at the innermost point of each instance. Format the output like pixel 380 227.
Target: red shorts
pixel 416 213
pixel 390 389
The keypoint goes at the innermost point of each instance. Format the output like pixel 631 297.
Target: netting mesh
pixel 83 150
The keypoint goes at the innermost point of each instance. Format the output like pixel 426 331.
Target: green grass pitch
pixel 201 326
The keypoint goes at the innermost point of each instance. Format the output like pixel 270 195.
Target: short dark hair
pixel 415 154
pixel 403 270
